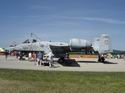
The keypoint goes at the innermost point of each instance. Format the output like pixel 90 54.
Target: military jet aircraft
pixel 101 44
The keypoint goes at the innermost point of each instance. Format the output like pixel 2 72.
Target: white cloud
pixel 99 19
pixel 106 20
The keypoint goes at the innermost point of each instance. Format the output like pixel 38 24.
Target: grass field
pixel 27 81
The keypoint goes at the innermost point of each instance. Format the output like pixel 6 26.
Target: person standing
pixel 50 59
pixel 6 54
pixel 34 56
pixel 39 58
pixel 124 57
pixel 17 54
pixel 29 56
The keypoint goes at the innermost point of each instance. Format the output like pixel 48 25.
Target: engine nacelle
pixel 79 43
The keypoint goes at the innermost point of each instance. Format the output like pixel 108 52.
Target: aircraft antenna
pixel 34 36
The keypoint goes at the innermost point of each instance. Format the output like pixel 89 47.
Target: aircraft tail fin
pixel 102 44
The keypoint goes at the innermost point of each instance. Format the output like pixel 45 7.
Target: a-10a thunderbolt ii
pixel 101 44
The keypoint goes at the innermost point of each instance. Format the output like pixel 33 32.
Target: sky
pixel 61 20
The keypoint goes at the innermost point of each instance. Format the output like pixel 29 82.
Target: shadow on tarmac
pixel 69 63
pixel 107 62
pixel 88 62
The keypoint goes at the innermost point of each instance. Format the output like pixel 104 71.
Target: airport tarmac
pixel 111 65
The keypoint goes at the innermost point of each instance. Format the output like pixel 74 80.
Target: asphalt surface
pixel 111 65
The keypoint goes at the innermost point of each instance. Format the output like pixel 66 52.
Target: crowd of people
pixel 41 59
